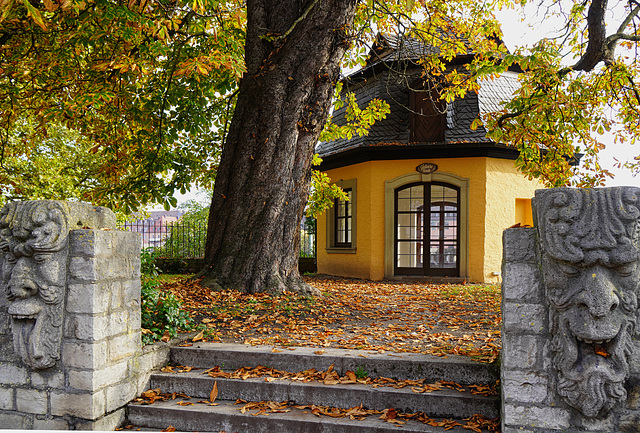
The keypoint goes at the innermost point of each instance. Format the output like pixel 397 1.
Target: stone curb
pixel 227 417
pixel 445 403
pixel 393 365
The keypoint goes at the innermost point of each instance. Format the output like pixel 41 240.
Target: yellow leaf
pixel 319 352
pixel 214 392
pixel 198 337
pixel 35 14
pixel 49 5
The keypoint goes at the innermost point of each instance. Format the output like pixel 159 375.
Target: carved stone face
pixel 590 241
pixel 33 239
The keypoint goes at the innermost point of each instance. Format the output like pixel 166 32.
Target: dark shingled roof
pixel 377 80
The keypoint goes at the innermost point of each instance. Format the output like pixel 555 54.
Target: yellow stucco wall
pixel 505 185
pixel 494 185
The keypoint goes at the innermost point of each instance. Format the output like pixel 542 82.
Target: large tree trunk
pixel 293 54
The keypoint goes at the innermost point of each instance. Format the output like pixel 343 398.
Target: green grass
pixel 169 278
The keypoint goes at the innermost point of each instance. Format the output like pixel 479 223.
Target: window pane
pixel 434 255
pixel 450 234
pixel 450 194
pixel 406 219
pixel 437 193
pixel 450 219
pixel 404 193
pixel 410 254
pixel 404 204
pixel 435 232
pixel 409 233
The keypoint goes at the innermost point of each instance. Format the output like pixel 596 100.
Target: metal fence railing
pixel 171 240
pixel 182 240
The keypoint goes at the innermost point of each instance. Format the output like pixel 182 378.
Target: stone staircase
pixel 281 415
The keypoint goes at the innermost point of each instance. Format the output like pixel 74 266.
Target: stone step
pixel 439 403
pixel 394 365
pixel 226 417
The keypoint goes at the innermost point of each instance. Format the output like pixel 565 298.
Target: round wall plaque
pixel 426 168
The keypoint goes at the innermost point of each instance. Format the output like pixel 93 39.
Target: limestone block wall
pixel 527 404
pixel 530 401
pixel 102 365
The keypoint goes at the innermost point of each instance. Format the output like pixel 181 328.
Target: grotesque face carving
pixel 33 240
pixel 590 241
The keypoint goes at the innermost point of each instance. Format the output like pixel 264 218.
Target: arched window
pixel 427 230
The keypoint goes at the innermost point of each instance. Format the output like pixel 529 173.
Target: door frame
pixel 390 187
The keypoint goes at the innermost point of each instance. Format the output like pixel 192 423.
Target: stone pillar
pixel 571 352
pixel 70 348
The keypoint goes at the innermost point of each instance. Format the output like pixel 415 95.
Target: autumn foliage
pixel 436 319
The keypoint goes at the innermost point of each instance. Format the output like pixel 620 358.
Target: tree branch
pixel 596 47
pixel 613 39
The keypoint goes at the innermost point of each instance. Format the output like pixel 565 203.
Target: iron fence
pixel 182 240
pixel 171 239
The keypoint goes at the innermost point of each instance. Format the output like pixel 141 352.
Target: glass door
pixel 432 250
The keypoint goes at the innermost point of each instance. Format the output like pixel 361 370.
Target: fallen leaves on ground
pixel 475 423
pixel 331 377
pixel 438 319
pixel 150 396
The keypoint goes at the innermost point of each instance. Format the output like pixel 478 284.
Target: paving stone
pixel 50 423
pixel 91 380
pixel 11 374
pixel 15 421
pixel 6 398
pixel 87 405
pixel 537 417
pixel 524 387
pixel 525 318
pixel 32 401
pixel 520 352
pixel 521 283
pixel 50 378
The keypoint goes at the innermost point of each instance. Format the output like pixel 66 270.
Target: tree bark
pixel 293 53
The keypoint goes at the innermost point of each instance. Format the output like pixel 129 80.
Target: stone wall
pixel 526 402
pixel 101 365
pixel 571 352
